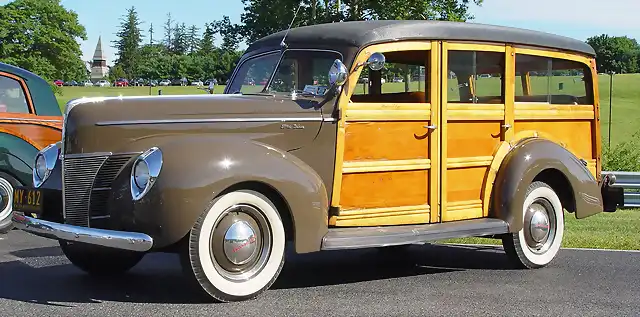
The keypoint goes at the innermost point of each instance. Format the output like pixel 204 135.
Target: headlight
pixel 144 172
pixel 44 164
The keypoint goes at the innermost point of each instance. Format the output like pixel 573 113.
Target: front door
pixel 387 140
pixel 473 120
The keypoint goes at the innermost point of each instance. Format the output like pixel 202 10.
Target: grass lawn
pixel 619 230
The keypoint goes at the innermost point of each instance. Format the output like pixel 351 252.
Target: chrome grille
pixel 87 183
pixel 102 184
pixel 79 174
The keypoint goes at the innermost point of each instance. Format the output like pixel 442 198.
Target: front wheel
pixel 537 244
pixel 98 260
pixel 236 248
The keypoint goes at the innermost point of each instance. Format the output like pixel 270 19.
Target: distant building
pixel 99 68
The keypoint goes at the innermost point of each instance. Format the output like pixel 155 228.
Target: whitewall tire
pixel 7 184
pixel 236 248
pixel 539 241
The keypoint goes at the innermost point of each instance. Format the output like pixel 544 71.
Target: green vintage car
pixel 30 119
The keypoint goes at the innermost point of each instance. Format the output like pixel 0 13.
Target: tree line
pixel 619 54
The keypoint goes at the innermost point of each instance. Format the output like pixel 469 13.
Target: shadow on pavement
pixel 158 278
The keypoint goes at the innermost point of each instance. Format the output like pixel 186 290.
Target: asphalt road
pixel 430 280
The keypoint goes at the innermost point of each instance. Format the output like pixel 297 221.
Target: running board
pixel 367 237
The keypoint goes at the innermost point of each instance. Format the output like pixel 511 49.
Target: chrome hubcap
pixel 241 242
pixel 6 192
pixel 539 225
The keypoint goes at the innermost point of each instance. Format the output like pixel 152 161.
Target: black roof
pixel 360 33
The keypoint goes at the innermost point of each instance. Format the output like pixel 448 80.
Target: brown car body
pixel 291 148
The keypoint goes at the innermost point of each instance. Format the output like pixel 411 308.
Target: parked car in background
pixel 121 82
pixel 103 83
pixel 87 83
pixel 164 82
pixel 197 83
pixel 152 83
pixel 58 82
pixel 30 120
pixel 71 83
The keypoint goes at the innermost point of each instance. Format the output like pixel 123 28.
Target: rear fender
pixel 17 157
pixel 528 159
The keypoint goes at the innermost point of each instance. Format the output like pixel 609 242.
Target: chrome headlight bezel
pixel 48 156
pixel 152 159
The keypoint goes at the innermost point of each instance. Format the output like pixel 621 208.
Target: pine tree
pixel 206 45
pixel 193 39
pixel 168 32
pixel 128 42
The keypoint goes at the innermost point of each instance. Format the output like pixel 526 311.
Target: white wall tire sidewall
pixel 5 214
pixel 266 275
pixel 552 197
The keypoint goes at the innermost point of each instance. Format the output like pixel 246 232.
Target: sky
pixel 578 19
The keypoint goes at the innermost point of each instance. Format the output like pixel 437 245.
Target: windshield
pixel 299 70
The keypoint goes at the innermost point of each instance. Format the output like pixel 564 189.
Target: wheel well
pixel 560 184
pixel 276 198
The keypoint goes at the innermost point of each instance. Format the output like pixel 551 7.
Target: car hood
pixel 112 124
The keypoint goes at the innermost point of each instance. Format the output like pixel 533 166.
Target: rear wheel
pixel 537 244
pixel 236 248
pixel 7 184
pixel 98 260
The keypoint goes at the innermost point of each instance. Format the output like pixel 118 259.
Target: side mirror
pixel 376 61
pixel 337 73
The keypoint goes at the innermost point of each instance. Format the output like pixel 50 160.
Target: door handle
pixel 506 126
pixel 431 127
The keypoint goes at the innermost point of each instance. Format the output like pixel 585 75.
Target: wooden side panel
pixel 470 149
pixel 391 140
pixel 39 131
pixel 385 189
pixel 575 135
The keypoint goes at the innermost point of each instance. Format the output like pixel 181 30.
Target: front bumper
pixel 132 241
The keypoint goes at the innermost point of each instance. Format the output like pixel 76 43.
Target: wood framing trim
pixel 387 111
pixel 25 90
pixel 385 166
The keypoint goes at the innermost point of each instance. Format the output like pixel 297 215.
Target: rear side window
pixel 552 80
pixel 12 97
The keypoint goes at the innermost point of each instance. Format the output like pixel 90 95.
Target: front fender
pixel 198 168
pixel 527 160
pixel 17 157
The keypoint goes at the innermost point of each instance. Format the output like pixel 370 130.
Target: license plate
pixel 27 200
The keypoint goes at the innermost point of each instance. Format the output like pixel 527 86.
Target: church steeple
pixel 98 55
pixel 99 68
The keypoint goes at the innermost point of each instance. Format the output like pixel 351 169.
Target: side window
pixel 12 97
pixel 254 74
pixel 302 70
pixel 552 80
pixel 402 80
pixel 475 77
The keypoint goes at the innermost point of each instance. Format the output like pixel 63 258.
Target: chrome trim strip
pixel 123 240
pixel 31 120
pixel 218 120
pixel 83 155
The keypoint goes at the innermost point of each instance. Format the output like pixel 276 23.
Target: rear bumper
pixel 123 240
pixel 612 196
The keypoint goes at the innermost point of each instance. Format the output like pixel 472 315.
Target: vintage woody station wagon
pixel 337 136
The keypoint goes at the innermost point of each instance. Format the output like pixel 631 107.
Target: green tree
pixel 193 39
pixel 128 43
pixel 206 44
pixel 180 44
pixel 264 17
pixel 168 32
pixel 229 32
pixel 41 36
pixel 618 54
